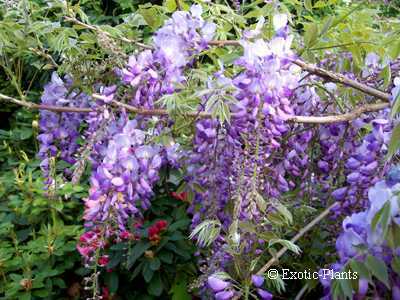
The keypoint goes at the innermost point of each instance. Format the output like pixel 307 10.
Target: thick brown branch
pixel 303 231
pixel 163 112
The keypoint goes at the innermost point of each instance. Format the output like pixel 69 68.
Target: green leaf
pixel 198 188
pixel 396 106
pixel 112 281
pixel 59 282
pixel 23 234
pixel 147 272
pixel 345 285
pixel 308 5
pixel 288 244
pixel 357 55
pixel 155 286
pixel 277 283
pixel 22 133
pixel 396 265
pixel 394 143
pixel 386 75
pixel 360 269
pixel 136 252
pixel 177 236
pixel 152 17
pixel 310 35
pixel 155 263
pixel 382 217
pixel 170 5
pixel 42 293
pixel 393 235
pixel 24 296
pixel 286 214
pixel 136 271
pixel 179 289
pixel 260 201
pixel 178 249
pixel 181 224
pixel 394 49
pixel 206 232
pixel 166 256
pixel 327 25
pixel 378 269
pixel 336 289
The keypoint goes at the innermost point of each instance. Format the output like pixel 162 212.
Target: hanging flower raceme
pixel 59 132
pixel 364 162
pixel 154 73
pixel 365 237
pixel 124 167
pixel 229 160
pixel 124 179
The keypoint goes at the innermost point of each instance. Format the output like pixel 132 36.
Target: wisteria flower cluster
pixel 125 177
pixel 364 235
pixel 160 71
pixel 239 170
pixel 59 132
pixel 229 160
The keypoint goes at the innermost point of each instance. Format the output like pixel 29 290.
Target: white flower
pixel 279 21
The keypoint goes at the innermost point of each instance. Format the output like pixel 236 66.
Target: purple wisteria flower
pixel 220 160
pixel 157 72
pixel 257 280
pixel 265 295
pixel 359 238
pixel 217 284
pixel 59 132
pixel 124 178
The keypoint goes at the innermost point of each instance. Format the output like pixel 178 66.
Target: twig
pixel 342 117
pixel 303 231
pixel 96 28
pixel 130 108
pixel 178 4
pixel 163 112
pixel 331 76
pixel 339 78
pixel 30 105
pixel 301 292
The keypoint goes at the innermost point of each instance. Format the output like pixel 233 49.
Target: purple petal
pixel 117 181
pixel 225 295
pixel 265 295
pixel 257 280
pixel 217 284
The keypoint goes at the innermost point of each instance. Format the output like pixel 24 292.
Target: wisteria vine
pixel 239 169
